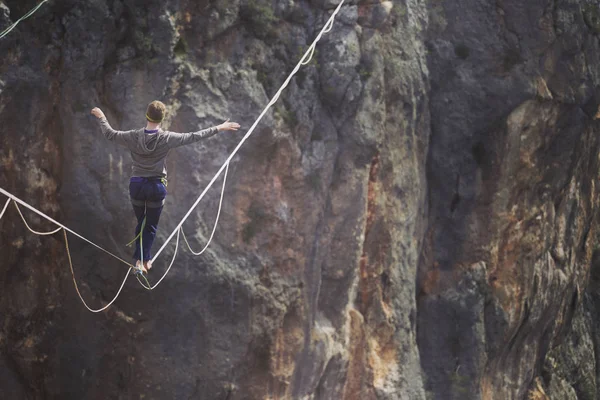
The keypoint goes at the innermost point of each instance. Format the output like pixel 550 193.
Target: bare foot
pixel 140 266
pixel 148 265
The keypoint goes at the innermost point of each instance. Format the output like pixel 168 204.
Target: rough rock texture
pixel 512 223
pixel 308 289
pixel 415 219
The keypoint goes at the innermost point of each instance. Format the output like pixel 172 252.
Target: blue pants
pixel 147 197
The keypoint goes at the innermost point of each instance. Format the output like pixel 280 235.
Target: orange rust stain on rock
pixel 364 275
pixel 506 282
pixel 431 281
pixel 537 392
pixel 382 361
pixel 29 342
pixel 487 389
pixel 366 284
pixel 372 190
pixel 288 343
pixel 372 343
pixel 355 387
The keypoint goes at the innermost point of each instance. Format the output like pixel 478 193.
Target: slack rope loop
pixel 38 212
pixel 31 230
pixel 305 59
pixel 216 220
pixel 329 26
pixel 77 287
pixel 24 17
pixel 311 54
pixel 4 209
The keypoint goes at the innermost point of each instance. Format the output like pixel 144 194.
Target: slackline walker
pixel 148 188
pixel 148 185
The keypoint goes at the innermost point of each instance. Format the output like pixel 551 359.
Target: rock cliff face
pixel 512 223
pixel 415 219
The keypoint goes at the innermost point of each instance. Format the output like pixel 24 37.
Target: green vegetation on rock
pixel 259 17
pixel 591 16
pixel 181 47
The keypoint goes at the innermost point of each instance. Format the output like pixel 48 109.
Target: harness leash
pixel 139 235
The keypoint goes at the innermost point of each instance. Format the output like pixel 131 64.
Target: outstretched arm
pixel 120 137
pixel 181 139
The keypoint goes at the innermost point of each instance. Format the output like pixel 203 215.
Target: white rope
pixel 4 209
pixel 17 200
pixel 13 26
pixel 77 287
pixel 305 59
pixel 216 220
pixel 31 230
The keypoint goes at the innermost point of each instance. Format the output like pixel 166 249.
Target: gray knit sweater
pixel 149 150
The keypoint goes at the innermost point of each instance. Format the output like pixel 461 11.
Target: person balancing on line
pixel 147 187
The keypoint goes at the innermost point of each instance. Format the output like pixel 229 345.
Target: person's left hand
pixel 228 126
pixel 96 112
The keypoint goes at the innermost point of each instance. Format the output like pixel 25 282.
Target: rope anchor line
pixel 306 58
pixel 24 17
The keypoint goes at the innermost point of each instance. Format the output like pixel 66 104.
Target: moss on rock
pixel 591 16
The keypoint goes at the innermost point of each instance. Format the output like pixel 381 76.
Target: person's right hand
pixel 228 126
pixel 96 112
